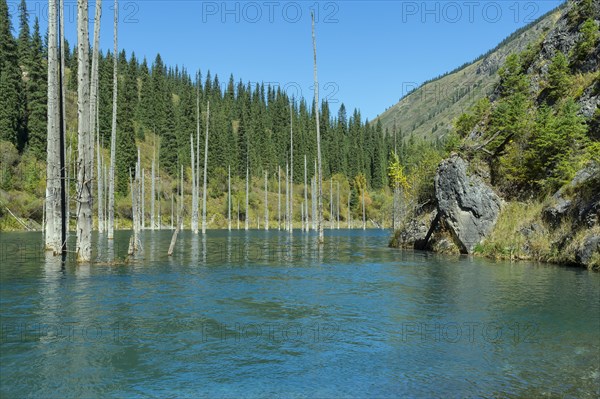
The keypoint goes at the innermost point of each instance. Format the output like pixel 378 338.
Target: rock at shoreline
pixel 467 205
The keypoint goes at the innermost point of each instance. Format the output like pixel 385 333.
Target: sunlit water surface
pixel 266 314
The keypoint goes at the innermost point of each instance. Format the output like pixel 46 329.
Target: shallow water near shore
pixel 269 314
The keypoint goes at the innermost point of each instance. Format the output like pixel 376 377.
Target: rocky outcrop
pixel 578 201
pixel 467 206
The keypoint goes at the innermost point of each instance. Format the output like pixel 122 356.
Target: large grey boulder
pixel 467 205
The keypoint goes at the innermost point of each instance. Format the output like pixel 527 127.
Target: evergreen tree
pixel 126 147
pixel 11 85
pixel 37 96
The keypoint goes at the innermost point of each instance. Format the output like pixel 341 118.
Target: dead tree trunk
pixel 291 226
pixel 266 203
pixel 229 198
pixel 54 168
pixel 205 170
pixel 153 193
pixel 319 174
pixel 305 194
pixel 278 197
pixel 247 193
pixel 113 135
pixel 95 133
pixel 85 144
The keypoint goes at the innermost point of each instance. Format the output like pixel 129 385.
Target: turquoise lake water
pixel 265 314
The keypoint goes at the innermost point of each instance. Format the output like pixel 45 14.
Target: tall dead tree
pixel 85 143
pixel 205 170
pixel 66 162
pixel 278 197
pixel 291 196
pixel 113 135
pixel 194 223
pixel 180 216
pixel 287 196
pixel 142 199
pixel 153 190
pixel 56 216
pixel 305 194
pixel 95 132
pixel 266 203
pixel 247 194
pixel 319 173
pixel 196 164
pixel 229 198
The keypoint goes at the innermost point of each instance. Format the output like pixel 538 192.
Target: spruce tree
pixel 37 96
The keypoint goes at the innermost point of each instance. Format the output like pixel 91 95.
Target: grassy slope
pixel 436 102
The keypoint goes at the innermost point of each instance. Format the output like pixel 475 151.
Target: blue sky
pixel 369 52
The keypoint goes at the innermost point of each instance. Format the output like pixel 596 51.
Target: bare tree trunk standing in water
pixel 266 203
pixel 113 135
pixel 196 162
pixel 278 197
pixel 247 193
pixel 291 226
pixel 54 208
pixel 153 190
pixel 319 174
pixel 85 144
pixel 205 170
pixel 305 195
pixel 65 178
pixel 229 198
pixel 94 109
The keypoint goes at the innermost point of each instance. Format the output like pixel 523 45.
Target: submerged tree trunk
pixel 305 194
pixel 94 107
pixel 205 170
pixel 153 192
pixel 113 135
pixel 266 203
pixel 278 197
pixel 53 209
pixel 337 213
pixel 348 217
pixel 196 162
pixel 291 226
pixel 287 197
pixel 363 210
pixel 85 144
pixel 229 198
pixel 247 193
pixel 319 173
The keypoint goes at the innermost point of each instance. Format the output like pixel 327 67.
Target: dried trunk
pixel 194 222
pixel 153 193
pixel 53 209
pixel 363 210
pixel 113 135
pixel 291 196
pixel 95 133
pixel 196 162
pixel 278 197
pixel 305 195
pixel 180 217
pixel 247 193
pixel 266 203
pixel 337 214
pixel 319 173
pixel 205 170
pixel 287 197
pixel 229 198
pixel 85 144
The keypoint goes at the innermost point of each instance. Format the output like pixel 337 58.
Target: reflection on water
pixel 266 313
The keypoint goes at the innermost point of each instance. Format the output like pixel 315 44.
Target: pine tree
pixel 37 97
pixel 11 86
pixel 126 147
